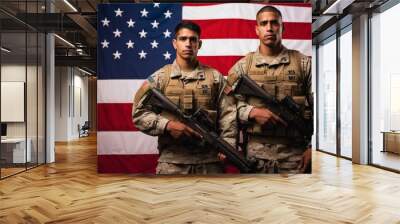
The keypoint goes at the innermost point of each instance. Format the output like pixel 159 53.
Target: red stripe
pixel 127 163
pixel 231 169
pixel 145 164
pixel 283 3
pixel 221 63
pixel 115 117
pixel 240 28
pixel 300 31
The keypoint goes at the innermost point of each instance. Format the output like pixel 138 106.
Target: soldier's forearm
pixel 149 122
pixel 244 111
pixel 227 120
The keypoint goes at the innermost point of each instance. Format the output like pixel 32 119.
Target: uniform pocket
pixel 286 89
pixel 203 102
pixel 270 88
pixel 188 100
pixel 300 100
pixel 174 91
pixel 258 76
pixel 174 99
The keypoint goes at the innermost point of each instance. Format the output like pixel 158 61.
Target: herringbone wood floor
pixel 71 191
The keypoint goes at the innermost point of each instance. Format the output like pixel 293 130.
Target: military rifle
pixel 287 108
pixel 200 122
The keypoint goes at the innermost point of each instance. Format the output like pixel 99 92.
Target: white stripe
pixel 125 143
pixel 244 11
pixel 239 47
pixel 304 46
pixel 117 91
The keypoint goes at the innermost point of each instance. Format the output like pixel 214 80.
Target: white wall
pixel 62 81
pixel 71 102
pixel 81 102
pixel 13 72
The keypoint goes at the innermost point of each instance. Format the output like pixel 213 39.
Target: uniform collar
pixel 282 58
pixel 197 73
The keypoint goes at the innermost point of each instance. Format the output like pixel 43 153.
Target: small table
pixel 391 141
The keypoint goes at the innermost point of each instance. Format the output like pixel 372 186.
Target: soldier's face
pixel 186 44
pixel 269 28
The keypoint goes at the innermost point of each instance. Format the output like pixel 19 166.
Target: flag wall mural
pixel 135 40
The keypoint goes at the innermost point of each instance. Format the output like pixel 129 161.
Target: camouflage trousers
pixel 274 158
pixel 203 168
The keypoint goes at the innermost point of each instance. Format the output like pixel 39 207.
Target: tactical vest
pixel 189 96
pixel 192 94
pixel 281 80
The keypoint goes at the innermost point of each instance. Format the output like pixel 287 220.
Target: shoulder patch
pixel 141 92
pixel 158 78
pixel 151 79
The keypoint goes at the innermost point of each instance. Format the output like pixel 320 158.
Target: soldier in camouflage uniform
pixel 190 85
pixel 276 147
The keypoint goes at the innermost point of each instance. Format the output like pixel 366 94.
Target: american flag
pixel 134 40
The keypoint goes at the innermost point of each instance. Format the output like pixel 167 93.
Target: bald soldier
pixel 190 85
pixel 281 72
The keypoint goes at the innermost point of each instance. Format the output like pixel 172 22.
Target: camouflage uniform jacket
pixel 185 150
pixel 277 71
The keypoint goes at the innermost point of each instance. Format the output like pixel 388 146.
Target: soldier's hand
pixel 221 156
pixel 262 116
pixel 306 160
pixel 176 129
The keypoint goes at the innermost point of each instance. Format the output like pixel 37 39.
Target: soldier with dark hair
pixel 190 85
pixel 281 72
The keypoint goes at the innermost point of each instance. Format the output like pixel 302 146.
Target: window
pixel 346 92
pixel 385 88
pixel 327 95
